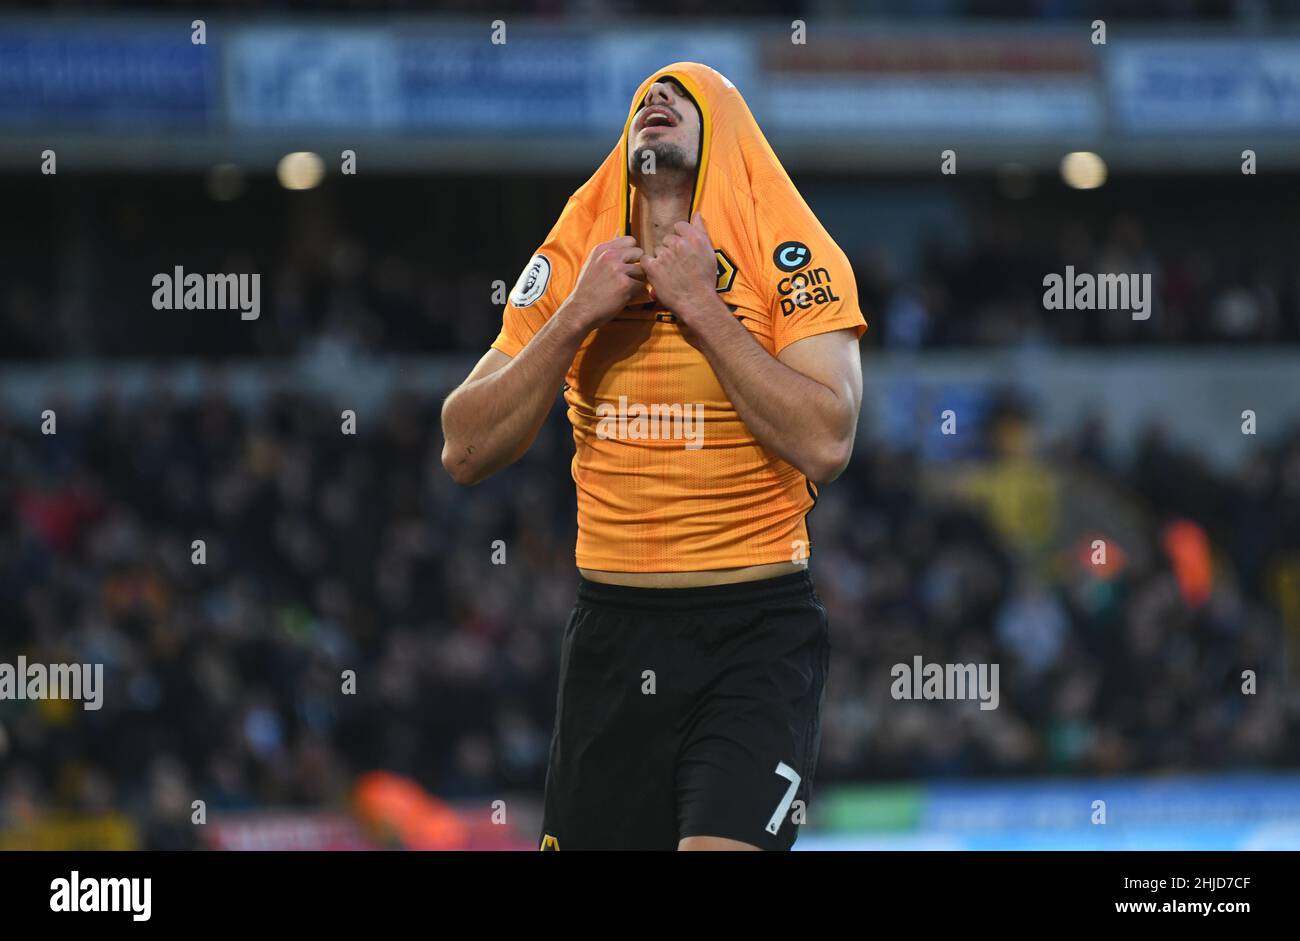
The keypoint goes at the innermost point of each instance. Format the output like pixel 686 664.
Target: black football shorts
pixel 687 712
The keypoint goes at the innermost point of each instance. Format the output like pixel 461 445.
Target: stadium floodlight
pixel 301 170
pixel 1083 170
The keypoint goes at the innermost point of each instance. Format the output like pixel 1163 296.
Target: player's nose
pixel 661 93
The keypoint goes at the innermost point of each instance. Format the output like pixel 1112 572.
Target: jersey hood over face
pixel 774 255
pixel 735 159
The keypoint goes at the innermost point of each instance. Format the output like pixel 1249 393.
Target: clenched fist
pixel 609 280
pixel 684 271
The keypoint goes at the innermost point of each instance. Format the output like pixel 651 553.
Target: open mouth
pixel 657 117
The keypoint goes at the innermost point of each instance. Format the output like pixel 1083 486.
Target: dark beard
pixel 668 157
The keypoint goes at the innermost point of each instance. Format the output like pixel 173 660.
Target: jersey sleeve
pixel 545 282
pixel 807 279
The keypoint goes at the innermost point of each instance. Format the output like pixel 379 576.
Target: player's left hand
pixel 684 271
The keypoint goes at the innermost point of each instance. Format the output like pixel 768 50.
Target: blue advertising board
pixel 1205 86
pixel 82 78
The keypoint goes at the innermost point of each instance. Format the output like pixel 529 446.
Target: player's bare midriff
pixel 750 573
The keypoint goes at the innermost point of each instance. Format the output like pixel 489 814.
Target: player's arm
pixel 492 418
pixel 802 405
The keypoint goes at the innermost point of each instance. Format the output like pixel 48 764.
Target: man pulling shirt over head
pixel 704 329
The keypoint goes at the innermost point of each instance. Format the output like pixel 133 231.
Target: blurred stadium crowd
pixel 399 268
pixel 327 552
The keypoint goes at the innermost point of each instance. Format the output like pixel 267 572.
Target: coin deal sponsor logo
pixel 791 256
pixel 804 290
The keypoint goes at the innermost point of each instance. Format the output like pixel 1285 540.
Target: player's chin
pixel 646 141
pixel 655 137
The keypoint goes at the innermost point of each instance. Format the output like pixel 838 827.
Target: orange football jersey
pixel 669 478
